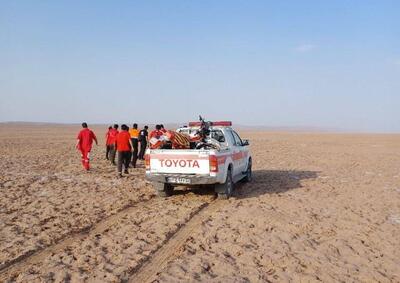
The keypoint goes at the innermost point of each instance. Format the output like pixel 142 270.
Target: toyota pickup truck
pixel 221 168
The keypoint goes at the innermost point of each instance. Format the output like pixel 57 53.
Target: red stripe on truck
pixel 234 156
pixel 237 156
pixel 221 159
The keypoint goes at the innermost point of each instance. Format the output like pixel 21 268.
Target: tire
pixel 163 189
pixel 249 173
pixel 225 190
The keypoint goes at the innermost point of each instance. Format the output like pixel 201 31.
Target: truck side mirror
pixel 245 142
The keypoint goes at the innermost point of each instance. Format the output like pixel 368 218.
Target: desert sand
pixel 321 207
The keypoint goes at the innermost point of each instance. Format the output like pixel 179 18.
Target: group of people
pixel 127 145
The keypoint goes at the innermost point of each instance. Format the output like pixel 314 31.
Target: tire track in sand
pixel 148 270
pixel 20 263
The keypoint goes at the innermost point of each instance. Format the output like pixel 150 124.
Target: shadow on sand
pixel 198 190
pixel 264 182
pixel 273 182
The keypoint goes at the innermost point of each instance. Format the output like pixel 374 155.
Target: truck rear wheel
pixel 163 189
pixel 249 174
pixel 225 190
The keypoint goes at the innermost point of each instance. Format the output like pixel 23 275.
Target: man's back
pixel 108 137
pixel 134 133
pixel 142 135
pixel 123 139
pixel 113 135
pixel 86 137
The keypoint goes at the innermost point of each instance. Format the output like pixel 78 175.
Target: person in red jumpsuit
pixel 84 144
pixel 112 140
pixel 108 143
pixel 155 137
pixel 124 149
pixel 156 133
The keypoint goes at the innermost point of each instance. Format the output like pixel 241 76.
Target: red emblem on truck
pixel 179 163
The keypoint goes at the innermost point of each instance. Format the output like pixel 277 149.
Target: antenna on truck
pixel 204 130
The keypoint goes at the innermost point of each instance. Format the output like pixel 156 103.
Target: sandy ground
pixel 321 207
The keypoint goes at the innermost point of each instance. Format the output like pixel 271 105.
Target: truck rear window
pixel 214 133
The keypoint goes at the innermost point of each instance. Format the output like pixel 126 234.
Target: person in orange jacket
pixel 84 144
pixel 134 133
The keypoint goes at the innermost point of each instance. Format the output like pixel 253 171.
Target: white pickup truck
pixel 231 163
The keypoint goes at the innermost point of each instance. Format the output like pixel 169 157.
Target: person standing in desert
pixel 124 148
pixel 134 133
pixel 84 144
pixel 113 138
pixel 143 137
pixel 108 144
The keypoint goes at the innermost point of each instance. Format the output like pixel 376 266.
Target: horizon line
pixel 298 128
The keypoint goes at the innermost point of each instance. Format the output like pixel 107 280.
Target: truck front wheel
pixel 225 190
pixel 163 189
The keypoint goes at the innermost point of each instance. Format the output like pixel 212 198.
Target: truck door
pixel 236 153
pixel 241 155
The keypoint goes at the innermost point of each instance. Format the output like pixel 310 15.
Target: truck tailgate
pixel 179 161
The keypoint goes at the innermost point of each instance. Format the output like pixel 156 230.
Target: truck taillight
pixel 147 161
pixel 213 163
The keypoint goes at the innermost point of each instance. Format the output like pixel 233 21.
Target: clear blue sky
pixel 330 64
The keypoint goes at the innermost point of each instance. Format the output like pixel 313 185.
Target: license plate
pixel 178 180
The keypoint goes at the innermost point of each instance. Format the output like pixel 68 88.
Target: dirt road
pixel 322 207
